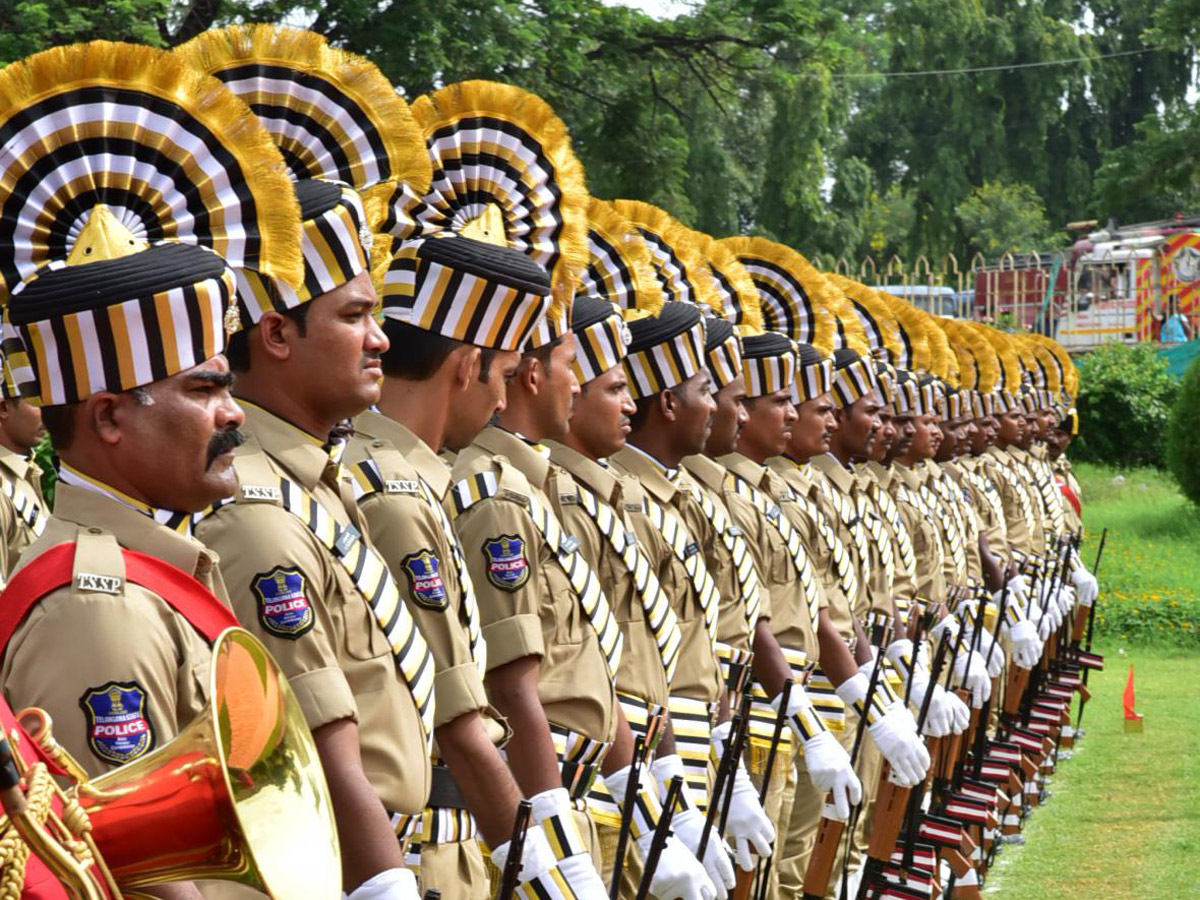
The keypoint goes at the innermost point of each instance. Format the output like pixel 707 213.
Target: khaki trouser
pixel 631 868
pixel 780 792
pixel 455 868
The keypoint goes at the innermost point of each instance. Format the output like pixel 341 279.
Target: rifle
pixel 829 830
pixel 891 800
pixel 759 879
pixel 1091 624
pixel 516 846
pixel 730 754
pixel 631 788
pixel 662 831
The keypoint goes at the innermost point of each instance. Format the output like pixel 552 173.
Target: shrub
pixel 1124 403
pixel 1183 434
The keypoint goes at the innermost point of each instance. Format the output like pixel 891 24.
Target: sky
pixel 659 9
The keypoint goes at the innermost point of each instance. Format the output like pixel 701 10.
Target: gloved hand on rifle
pixel 390 884
pixel 747 823
pixel 1026 646
pixel 1087 589
pixel 540 866
pixel 945 710
pixel 688 824
pixel 972 673
pixel 827 762
pixel 891 727
pixel 678 875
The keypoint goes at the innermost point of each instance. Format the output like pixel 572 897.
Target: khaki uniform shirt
pixel 1062 468
pixel 791 623
pixel 20 485
pixel 989 507
pixel 709 476
pixel 641 671
pixel 926 540
pixel 119 673
pixel 698 673
pixel 526 602
pixel 1019 511
pixel 957 487
pixel 336 656
pixel 820 538
pixel 408 533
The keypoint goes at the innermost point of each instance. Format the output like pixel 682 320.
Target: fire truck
pixel 1118 283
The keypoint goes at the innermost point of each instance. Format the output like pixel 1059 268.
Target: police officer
pixel 302 572
pixel 23 510
pixel 134 391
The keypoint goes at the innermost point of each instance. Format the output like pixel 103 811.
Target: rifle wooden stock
pixel 743 885
pixel 1014 688
pixel 824 854
pixel 891 801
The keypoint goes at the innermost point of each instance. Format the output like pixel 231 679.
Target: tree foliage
pixel 1125 400
pixel 1183 435
pixel 792 118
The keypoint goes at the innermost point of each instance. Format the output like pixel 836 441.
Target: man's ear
pixel 6 408
pixel 104 413
pixel 530 374
pixel 466 362
pixel 668 405
pixel 274 335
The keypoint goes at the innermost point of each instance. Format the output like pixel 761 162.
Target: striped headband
pixel 601 337
pixel 467 290
pixel 957 403
pixel 982 404
pixel 722 352
pixel 1007 402
pixel 768 363
pixel 341 128
pixel 134 186
pixel 929 397
pixel 1028 401
pixel 665 350
pixel 504 172
pixel 885 376
pixel 907 396
pixel 853 377
pixel 814 374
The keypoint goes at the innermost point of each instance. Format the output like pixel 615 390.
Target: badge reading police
pixel 424 572
pixel 283 607
pixel 119 729
pixel 508 569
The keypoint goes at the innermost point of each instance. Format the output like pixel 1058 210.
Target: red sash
pixel 1072 498
pixel 53 570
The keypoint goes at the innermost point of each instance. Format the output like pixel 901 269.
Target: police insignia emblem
pixel 424 571
pixel 118 727
pixel 507 567
pixel 283 607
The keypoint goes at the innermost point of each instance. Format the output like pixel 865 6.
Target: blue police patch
pixel 283 607
pixel 508 569
pixel 424 572
pixel 118 723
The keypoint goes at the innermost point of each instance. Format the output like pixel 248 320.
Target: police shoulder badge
pixel 283 607
pixel 424 571
pixel 507 565
pixel 118 723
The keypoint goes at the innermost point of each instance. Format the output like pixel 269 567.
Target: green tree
pixel 1183 437
pixel 1000 217
pixel 27 26
pixel 1125 399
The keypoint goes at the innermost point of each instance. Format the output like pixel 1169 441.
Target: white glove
pixel 1026 647
pixel 390 884
pixel 747 823
pixel 688 826
pixel 972 673
pixel 939 719
pixel 1087 589
pixel 993 658
pixel 578 869
pixel 829 769
pixel 1066 599
pixel 960 713
pixel 678 875
pixel 948 626
pixel 894 733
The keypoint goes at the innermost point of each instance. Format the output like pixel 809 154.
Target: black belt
pixel 443 790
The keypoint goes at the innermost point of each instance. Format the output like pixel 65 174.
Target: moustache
pixel 222 442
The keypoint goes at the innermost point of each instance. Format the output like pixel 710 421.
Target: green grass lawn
pixel 1151 564
pixel 1124 821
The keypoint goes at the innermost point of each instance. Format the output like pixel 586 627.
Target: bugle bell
pixel 238 796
